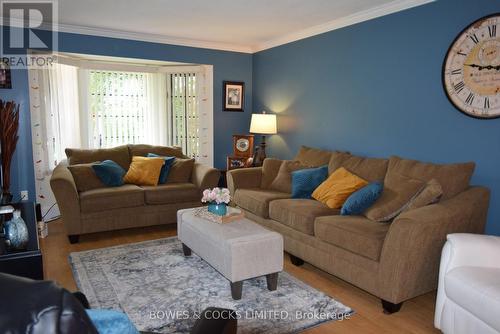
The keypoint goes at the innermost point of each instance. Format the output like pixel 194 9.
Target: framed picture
pixel 239 162
pixel 243 145
pixel 234 95
pixel 5 75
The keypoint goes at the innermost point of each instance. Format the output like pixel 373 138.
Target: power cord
pixel 46 213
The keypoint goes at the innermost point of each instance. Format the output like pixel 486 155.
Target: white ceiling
pixel 240 25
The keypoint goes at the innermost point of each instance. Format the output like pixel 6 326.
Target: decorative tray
pixel 232 215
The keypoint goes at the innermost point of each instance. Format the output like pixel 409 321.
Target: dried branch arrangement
pixel 9 126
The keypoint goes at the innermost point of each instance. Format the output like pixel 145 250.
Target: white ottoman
pixel 239 250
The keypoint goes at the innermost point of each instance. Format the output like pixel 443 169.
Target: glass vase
pixel 217 209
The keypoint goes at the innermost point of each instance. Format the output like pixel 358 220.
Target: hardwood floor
pixel 416 315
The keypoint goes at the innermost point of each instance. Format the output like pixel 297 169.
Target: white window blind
pixel 170 106
pixel 117 103
pixel 185 113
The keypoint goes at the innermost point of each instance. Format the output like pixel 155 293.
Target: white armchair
pixel 468 298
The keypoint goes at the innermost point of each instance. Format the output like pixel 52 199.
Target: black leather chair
pixel 41 307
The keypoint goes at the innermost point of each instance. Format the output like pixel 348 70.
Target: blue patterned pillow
pixel 362 199
pixel 304 181
pixel 109 172
pixel 111 322
pixel 165 169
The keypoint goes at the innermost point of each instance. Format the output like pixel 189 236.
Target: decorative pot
pixel 16 232
pixel 217 209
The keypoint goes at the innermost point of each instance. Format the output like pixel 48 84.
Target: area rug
pixel 163 291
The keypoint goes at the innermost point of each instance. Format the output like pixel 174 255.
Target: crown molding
pixel 145 37
pixel 366 15
pixel 389 8
pixel 136 36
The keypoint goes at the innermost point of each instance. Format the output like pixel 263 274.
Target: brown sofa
pixel 110 208
pixel 394 261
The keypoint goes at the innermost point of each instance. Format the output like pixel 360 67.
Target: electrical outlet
pixel 24 195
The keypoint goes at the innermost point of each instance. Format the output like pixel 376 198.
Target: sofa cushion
pixel 306 180
pixel 166 166
pixel 118 154
pixel 257 200
pixel 338 187
pixel 144 171
pixel 171 193
pixel 399 191
pixel 180 171
pixel 283 181
pixel 477 290
pixel 357 234
pixel 313 157
pixel 109 172
pixel 270 169
pixel 430 194
pixel 103 199
pixel 453 178
pixel 85 177
pixel 371 169
pixel 299 214
pixel 362 199
pixel 143 150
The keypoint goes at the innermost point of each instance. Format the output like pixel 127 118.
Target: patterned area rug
pixel 163 291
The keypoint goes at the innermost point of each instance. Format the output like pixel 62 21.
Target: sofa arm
pixel 204 176
pixel 64 188
pixel 472 250
pixel 243 178
pixel 409 262
pixel 463 249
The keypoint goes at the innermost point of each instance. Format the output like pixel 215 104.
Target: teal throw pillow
pixel 111 322
pixel 109 172
pixel 304 181
pixel 166 167
pixel 361 200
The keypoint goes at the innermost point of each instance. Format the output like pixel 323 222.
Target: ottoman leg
pixel 186 250
pixel 272 281
pixel 236 289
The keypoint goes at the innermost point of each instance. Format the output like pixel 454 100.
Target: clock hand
pixel 491 67
pixel 486 67
pixel 473 65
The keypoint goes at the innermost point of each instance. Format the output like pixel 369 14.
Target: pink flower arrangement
pixel 217 195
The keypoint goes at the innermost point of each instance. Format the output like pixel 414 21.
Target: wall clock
pixel 243 145
pixel 471 70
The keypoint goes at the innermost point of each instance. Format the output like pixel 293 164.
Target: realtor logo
pixel 27 25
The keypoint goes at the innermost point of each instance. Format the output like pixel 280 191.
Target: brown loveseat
pixel 395 261
pixel 86 208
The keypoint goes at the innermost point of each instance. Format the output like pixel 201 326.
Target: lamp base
pixel 260 153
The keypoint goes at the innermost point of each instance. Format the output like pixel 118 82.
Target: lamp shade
pixel 263 124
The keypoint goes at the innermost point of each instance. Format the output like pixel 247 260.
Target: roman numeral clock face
pixel 471 72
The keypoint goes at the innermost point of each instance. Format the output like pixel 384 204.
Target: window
pixel 117 107
pixel 121 109
pixel 185 118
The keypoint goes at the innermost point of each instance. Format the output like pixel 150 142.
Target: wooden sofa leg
pixel 73 239
pixel 390 308
pixel 297 261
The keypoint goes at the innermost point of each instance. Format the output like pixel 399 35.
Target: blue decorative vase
pixel 16 232
pixel 217 209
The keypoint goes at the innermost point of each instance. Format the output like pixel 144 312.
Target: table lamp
pixel 264 124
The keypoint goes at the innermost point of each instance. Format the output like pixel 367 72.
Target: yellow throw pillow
pixel 144 171
pixel 335 190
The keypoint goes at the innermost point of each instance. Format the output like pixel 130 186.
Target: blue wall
pixel 227 66
pixel 375 89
